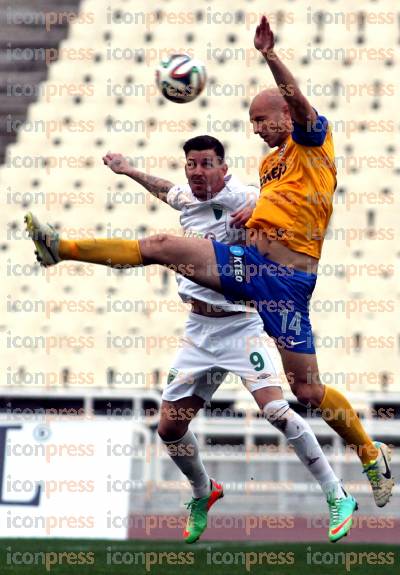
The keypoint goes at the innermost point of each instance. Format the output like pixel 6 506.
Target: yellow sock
pixel 109 252
pixel 339 414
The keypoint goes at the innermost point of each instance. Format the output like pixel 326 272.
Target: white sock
pixel 184 452
pixel 302 438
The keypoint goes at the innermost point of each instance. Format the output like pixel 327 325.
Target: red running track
pixel 271 528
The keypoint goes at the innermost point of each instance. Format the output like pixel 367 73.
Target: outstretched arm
pixel 158 187
pixel 300 109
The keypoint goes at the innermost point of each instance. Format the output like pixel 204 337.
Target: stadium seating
pixel 115 102
pixel 113 28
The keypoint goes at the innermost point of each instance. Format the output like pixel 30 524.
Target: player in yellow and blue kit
pixel 287 226
pixel 276 271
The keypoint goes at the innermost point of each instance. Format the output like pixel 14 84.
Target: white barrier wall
pixel 56 477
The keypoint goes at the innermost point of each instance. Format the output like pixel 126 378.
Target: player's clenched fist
pixel 264 39
pixel 117 163
pixel 240 217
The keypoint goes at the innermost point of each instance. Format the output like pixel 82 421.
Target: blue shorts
pixel 280 294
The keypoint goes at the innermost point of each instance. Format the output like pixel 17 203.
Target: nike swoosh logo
pixel 297 342
pixel 334 531
pixel 51 254
pixel 387 473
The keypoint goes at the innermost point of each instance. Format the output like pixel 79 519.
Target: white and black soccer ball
pixel 181 78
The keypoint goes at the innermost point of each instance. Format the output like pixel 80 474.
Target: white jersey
pixel 211 219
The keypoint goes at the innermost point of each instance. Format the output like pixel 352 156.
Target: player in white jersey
pixel 220 336
pixel 213 348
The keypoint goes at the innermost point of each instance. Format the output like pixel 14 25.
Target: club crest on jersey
pixel 218 211
pixel 172 375
pixel 275 174
pixel 237 263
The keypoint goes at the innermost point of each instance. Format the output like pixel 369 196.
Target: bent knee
pixel 172 431
pixel 155 247
pixel 160 239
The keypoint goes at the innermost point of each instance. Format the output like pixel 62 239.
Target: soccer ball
pixel 181 78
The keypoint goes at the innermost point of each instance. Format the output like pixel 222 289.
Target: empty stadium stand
pixel 92 335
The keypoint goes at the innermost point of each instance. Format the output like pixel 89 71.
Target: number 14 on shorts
pixel 294 324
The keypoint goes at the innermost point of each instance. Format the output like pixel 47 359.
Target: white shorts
pixel 213 347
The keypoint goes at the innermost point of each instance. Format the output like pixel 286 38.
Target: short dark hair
pixel 200 143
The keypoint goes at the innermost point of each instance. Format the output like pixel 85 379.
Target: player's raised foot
pixel 45 238
pixel 340 516
pixel 380 475
pixel 197 520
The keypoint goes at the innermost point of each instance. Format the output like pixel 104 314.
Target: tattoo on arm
pixel 158 187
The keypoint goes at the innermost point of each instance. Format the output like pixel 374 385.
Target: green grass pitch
pixel 68 557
